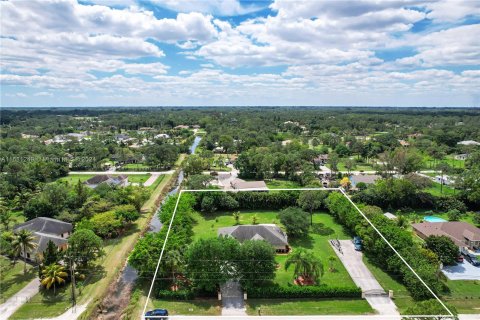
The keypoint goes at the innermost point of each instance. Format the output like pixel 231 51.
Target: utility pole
pixel 72 276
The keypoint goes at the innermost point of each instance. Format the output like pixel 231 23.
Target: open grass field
pixel 325 228
pixel 464 295
pixel 437 190
pixel 281 184
pixel 12 278
pixel 136 166
pixel 279 307
pixel 74 178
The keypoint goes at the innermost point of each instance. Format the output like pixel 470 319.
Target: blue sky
pixel 231 52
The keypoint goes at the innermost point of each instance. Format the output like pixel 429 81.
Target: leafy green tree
pixel 51 254
pixel 193 165
pixel 333 160
pixel 198 181
pixel 427 308
pixel 210 262
pixel 256 263
pixel 53 274
pixel 296 221
pixel 127 213
pixel 24 242
pixel 311 201
pixel 236 217
pixel 454 215
pixel 6 218
pixel 307 264
pixel 84 247
pixel 173 263
pixel 106 224
pixel 350 164
pixel 444 248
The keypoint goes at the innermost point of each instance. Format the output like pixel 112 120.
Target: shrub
pixel 175 295
pixel 296 292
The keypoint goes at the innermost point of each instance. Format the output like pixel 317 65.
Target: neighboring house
pixel 45 230
pixel 445 180
pixel 462 156
pixel 469 143
pixel 196 126
pixel 242 184
pixel 29 136
pixel 285 142
pixel 321 160
pixel 57 139
pixel 162 136
pixel 218 150
pixel 390 216
pixel 79 136
pixel 120 181
pixel 414 135
pixel 181 126
pixel 404 143
pixel 365 178
pixel 463 234
pixel 123 138
pixel 267 232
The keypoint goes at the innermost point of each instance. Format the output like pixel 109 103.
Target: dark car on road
pixel 472 260
pixel 357 243
pixel 156 314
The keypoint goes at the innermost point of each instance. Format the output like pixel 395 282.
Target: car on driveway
pixel 357 243
pixel 472 260
pixel 156 314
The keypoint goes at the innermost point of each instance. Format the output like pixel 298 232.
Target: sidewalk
pixel 16 301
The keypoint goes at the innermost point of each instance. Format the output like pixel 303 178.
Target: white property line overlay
pixel 342 191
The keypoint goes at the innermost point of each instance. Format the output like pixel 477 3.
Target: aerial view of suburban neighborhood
pixel 240 159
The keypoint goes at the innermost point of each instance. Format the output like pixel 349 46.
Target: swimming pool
pixel 433 219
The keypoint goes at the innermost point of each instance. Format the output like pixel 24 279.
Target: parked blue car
pixel 156 314
pixel 357 243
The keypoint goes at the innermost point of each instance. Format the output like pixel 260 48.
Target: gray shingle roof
pixel 270 233
pixel 45 225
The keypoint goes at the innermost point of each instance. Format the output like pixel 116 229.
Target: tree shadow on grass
pixel 304 242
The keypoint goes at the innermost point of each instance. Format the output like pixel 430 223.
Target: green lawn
pixel 157 182
pixel 360 166
pixel 273 307
pixel 437 190
pixel 12 278
pixel 210 307
pixel 282 184
pixel 74 178
pixel 207 225
pixel 464 295
pixel 137 166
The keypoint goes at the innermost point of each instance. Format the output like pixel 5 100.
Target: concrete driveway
pixel 462 271
pixel 16 301
pixel 373 291
pixel 232 299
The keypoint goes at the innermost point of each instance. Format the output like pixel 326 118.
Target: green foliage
pixel 454 215
pixel 127 213
pixel 175 295
pixel 295 221
pixel 256 263
pixel 307 265
pixel 211 262
pixel 298 292
pixel 429 307
pixel 51 255
pixel 84 247
pixel 444 248
pixel 194 165
pixel 52 275
pixel 198 181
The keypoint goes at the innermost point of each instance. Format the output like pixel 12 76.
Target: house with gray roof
pixel 267 232
pixel 365 178
pixel 116 181
pixel 45 230
pixel 254 185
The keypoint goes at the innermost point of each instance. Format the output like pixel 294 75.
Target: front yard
pixel 12 278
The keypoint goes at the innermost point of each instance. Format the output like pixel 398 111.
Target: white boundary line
pixel 342 191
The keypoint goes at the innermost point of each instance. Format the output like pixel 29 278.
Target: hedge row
pixel 304 292
pixel 176 295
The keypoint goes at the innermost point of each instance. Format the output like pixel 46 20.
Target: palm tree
pixel 236 216
pixel 331 261
pixel 402 222
pixel 5 218
pixel 52 275
pixel 173 263
pixel 306 264
pixel 254 219
pixel 24 242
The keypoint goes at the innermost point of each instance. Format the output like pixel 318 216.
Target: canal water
pixel 119 299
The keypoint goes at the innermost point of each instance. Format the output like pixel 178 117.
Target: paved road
pixel 122 172
pixel 151 180
pixel 363 317
pixel 232 299
pixel 17 300
pixel 374 293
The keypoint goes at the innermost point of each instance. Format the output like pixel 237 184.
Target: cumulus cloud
pixel 216 7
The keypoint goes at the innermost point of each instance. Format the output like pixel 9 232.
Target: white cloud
pixel 216 7
pixel 43 94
